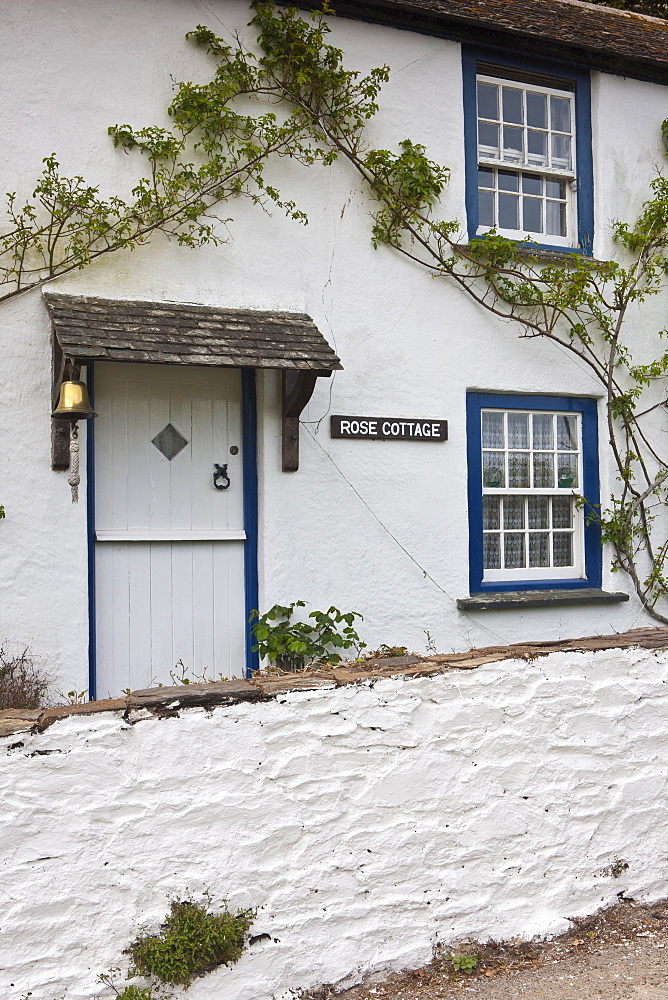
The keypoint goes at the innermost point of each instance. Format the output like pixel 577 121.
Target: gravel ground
pixel 618 954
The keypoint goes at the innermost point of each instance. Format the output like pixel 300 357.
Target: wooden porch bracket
pixel 297 390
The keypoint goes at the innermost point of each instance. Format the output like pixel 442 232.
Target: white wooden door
pixel 169 548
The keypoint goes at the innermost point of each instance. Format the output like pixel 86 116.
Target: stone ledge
pixel 538 599
pixel 171 699
pixel 159 702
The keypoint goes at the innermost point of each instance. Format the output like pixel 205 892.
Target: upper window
pixel 526 162
pixel 528 153
pixel 530 459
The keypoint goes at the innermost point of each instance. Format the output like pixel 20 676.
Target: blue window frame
pixel 522 191
pixel 528 458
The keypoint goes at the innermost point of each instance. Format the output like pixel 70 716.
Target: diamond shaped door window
pixel 169 442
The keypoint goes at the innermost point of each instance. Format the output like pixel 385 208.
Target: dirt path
pixel 618 954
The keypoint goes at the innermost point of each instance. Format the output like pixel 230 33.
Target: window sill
pixel 539 599
pixel 556 255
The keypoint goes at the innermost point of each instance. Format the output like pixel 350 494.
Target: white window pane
pixel 539 512
pixel 518 430
pixel 567 471
pixel 555 218
pixel 513 512
pixel 492 430
pixel 562 545
pixel 542 431
pixel 562 512
pixel 518 469
pixel 485 177
pixel 488 101
pixel 532 215
pixel 537 149
pixel 491 551
pixel 513 551
pixel 561 152
pixel 567 433
pixel 493 474
pixel 488 139
pixel 543 470
pixel 560 109
pixel 509 211
pixel 536 110
pixel 508 180
pixel 539 549
pixel 513 144
pixel 555 188
pixel 491 513
pixel 512 106
pixel 486 208
pixel 532 184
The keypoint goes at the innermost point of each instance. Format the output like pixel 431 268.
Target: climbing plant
pixel 214 152
pixel 294 98
pixel 587 307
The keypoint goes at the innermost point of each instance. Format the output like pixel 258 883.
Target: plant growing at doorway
pixel 291 644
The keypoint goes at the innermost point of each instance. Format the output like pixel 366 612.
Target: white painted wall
pixel 410 346
pixel 367 824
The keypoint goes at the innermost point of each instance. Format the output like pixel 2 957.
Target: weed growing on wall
pixel 616 868
pixel 290 644
pixel 191 942
pixel 132 991
pixel 22 684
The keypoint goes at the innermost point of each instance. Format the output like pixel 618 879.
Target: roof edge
pixel 611 52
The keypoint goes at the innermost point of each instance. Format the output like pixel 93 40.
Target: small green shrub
pixel 136 993
pixel 292 644
pixel 132 992
pixel 191 942
pixel 384 651
pixel 22 685
pixel 464 963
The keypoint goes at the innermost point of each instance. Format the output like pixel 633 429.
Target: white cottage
pixel 294 414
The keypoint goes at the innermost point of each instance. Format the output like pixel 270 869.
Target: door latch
pixel 220 472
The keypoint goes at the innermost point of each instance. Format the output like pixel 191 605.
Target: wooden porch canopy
pixel 90 329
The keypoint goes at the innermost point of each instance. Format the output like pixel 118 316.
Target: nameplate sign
pixel 389 428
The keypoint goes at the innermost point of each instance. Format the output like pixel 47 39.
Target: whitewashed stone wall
pixel 366 823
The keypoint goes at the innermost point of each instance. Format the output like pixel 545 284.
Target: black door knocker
pixel 220 472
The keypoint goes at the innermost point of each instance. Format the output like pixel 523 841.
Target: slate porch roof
pixel 95 329
pixel 614 40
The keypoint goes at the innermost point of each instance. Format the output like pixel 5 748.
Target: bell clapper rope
pixel 74 479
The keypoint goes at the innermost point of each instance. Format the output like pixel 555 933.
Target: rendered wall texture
pixel 366 823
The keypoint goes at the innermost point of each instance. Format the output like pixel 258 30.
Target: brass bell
pixel 74 403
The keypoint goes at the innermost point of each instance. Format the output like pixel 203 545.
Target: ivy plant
pixel 291 644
